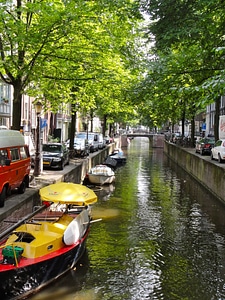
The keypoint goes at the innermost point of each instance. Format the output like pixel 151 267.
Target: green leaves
pixel 188 70
pixel 49 47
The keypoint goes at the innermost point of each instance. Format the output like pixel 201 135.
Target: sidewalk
pixel 52 175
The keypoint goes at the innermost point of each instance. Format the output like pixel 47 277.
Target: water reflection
pixel 161 237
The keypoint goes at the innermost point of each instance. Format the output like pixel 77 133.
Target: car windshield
pixel 51 148
pixel 79 141
pixel 209 140
pixel 84 135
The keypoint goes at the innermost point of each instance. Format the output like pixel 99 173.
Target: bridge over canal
pixel 155 140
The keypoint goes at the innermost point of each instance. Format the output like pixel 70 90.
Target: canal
pixel 162 236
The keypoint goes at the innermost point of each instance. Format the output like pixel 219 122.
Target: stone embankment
pixel 210 174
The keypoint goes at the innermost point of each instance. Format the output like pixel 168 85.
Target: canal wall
pixel 207 173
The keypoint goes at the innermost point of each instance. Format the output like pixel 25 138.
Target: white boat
pixel 101 174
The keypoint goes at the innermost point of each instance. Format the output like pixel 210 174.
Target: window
pixel 51 148
pixel 3 156
pixel 23 153
pixel 14 152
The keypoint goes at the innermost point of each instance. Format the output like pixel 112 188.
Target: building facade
pixel 6 93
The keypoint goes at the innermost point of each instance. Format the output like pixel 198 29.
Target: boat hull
pixel 101 174
pixel 119 159
pixel 20 282
pixel 47 243
pixel 101 179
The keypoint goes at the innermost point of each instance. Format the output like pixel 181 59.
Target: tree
pixel 50 47
pixel 28 28
pixel 189 64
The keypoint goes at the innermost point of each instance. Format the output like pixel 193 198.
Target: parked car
pixel 101 141
pixel 55 155
pixel 80 146
pixel 218 151
pixel 176 137
pixel 204 145
pixel 93 139
pixel 108 139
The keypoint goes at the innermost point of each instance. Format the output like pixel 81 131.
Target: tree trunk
pixel 193 131
pixel 110 130
pixel 17 101
pixel 91 119
pixel 73 125
pixel 216 120
pixel 182 124
pixel 104 125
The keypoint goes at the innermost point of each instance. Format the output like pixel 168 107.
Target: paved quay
pixel 205 157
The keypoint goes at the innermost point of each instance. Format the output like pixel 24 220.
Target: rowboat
pixel 48 242
pixel 101 174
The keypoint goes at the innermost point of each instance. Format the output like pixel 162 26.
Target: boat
pixel 110 162
pixel 118 156
pixel 101 174
pixel 47 243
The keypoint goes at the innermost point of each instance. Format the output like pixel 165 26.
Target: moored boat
pixel 118 156
pixel 48 242
pixel 110 162
pixel 101 174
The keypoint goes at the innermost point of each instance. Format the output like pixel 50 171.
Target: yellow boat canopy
pixel 68 193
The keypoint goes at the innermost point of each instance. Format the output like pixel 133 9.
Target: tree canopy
pixel 186 69
pixel 69 52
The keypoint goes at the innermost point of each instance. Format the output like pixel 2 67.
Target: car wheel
pixel 61 166
pixel 8 192
pixel 2 197
pixel 219 159
pixel 22 187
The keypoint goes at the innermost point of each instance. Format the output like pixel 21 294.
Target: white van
pixel 101 141
pixel 93 139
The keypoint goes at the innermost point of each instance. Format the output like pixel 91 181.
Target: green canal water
pixel 161 237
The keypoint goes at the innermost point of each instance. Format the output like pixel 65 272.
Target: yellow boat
pixel 47 243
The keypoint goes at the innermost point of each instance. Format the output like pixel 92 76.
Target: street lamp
pixel 37 167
